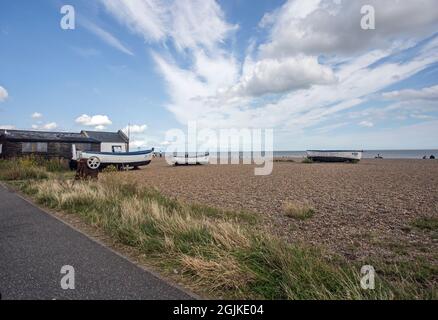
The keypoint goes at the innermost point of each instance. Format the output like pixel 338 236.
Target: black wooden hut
pixel 16 143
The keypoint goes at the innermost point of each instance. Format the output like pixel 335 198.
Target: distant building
pixel 109 141
pixel 16 143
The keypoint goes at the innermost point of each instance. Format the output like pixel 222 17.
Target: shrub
pixel 284 160
pixel 110 168
pixel 426 223
pixel 298 211
pixel 307 160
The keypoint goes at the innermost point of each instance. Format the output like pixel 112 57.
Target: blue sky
pixel 304 68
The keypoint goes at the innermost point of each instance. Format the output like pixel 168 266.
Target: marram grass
pixel 218 253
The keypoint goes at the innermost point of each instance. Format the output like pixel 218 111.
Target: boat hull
pixel 334 155
pixel 190 160
pixel 135 159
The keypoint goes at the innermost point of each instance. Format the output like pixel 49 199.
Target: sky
pixel 305 68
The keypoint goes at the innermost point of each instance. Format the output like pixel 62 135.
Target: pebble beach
pixel 361 210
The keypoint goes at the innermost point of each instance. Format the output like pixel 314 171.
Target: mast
pixel 129 134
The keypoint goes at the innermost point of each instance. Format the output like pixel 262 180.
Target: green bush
pixel 110 168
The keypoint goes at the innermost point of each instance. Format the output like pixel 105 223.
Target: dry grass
pixel 299 211
pixel 31 167
pixel 219 253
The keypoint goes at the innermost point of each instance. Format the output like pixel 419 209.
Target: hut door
pixel 73 152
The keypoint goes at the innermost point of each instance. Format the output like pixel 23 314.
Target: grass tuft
pixel 298 211
pixel 426 223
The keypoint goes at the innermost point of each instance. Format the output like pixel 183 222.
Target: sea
pixel 367 154
pixel 371 154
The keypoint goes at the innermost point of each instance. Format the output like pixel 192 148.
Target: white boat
pixel 118 159
pixel 335 155
pixel 186 159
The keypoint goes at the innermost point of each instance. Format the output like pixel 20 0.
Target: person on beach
pixel 432 157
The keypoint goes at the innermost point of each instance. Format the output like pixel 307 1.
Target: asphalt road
pixel 34 246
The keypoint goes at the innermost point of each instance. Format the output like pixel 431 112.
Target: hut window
pixel 117 148
pixel 34 147
pixel 1 148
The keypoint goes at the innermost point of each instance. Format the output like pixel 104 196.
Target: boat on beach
pixel 187 159
pixel 118 159
pixel 335 155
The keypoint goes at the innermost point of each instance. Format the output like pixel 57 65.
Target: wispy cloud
pixel 429 93
pixel 3 94
pixel 105 36
pixel 189 24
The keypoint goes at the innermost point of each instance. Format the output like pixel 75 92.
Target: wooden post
pixel 83 172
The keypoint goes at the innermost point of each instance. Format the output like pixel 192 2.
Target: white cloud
pixel 198 23
pixel 326 27
pixel 365 123
pixel 304 74
pixel 282 75
pixel 137 144
pixel 106 36
pixel 97 121
pixel 430 93
pixel 3 94
pixel 189 24
pixel 135 128
pixel 195 99
pixel 48 126
pixel 36 115
pixel 7 127
pixel 147 17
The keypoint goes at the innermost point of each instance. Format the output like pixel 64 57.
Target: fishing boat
pixel 186 159
pixel 335 155
pixel 118 159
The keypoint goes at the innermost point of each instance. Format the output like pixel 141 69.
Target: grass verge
pixel 216 253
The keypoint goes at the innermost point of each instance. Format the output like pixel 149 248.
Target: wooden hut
pixel 16 143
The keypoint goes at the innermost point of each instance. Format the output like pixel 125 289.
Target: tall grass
pixel 31 167
pixel 222 254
